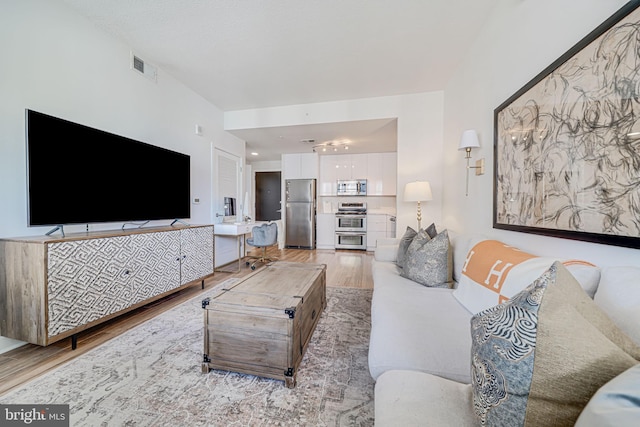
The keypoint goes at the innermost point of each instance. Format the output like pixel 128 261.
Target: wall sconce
pixel 418 191
pixel 468 141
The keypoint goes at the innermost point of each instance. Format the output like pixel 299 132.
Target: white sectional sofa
pixel 421 344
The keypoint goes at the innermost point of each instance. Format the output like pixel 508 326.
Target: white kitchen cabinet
pixel 325 230
pixel 391 226
pixel 309 166
pixel 328 175
pixel 300 166
pixel 351 166
pixel 343 170
pixel 382 174
pixel 359 167
pixel 376 229
pixel 336 167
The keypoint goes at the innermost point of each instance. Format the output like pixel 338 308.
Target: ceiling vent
pixel 144 68
pixel 307 141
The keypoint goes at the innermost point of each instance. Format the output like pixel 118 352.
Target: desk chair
pixel 261 237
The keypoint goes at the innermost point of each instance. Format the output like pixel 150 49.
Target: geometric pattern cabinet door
pixel 155 267
pixel 197 253
pixel 87 280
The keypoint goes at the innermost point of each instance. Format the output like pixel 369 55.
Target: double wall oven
pixel 351 226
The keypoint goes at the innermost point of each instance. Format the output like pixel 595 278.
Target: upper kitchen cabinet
pixel 340 167
pixel 379 169
pixel 329 166
pixel 300 166
pixel 352 166
pixel 382 176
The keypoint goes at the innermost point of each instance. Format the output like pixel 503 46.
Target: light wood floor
pixel 344 269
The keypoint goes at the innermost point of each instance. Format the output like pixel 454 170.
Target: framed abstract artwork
pixel 567 145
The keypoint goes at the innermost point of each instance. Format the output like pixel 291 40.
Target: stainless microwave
pixel 352 187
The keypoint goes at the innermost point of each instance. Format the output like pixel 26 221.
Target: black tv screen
pixel 77 174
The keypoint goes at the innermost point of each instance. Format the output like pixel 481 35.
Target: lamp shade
pixel 469 140
pixel 417 191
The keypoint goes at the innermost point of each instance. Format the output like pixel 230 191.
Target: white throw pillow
pixel 615 404
pixel 494 272
pixel 618 295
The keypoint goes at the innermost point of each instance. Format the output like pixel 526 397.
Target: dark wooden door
pixel 268 196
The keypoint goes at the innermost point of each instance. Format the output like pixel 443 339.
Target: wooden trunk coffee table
pixel 263 324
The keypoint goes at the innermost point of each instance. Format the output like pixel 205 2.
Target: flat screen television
pixel 77 174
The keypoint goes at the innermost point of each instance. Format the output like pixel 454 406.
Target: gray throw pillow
pixel 405 241
pixel 428 260
pixel 431 230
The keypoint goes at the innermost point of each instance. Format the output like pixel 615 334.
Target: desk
pixel 240 230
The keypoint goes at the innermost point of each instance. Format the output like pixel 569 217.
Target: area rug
pixel 151 376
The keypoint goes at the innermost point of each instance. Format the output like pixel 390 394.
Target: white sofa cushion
pixel 618 295
pixel 409 398
pixel 615 404
pixel 386 253
pixel 417 328
pixel 588 275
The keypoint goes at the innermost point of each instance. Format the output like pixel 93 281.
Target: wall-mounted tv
pixel 77 174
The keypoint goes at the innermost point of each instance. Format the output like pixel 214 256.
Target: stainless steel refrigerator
pixel 300 218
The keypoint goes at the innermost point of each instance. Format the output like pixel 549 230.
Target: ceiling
pixel 364 136
pixel 245 54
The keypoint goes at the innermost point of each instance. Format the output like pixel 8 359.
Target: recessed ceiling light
pixel 254 153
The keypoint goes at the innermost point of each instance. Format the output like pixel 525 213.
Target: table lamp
pixel 417 191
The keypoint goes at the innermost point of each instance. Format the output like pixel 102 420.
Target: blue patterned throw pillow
pixel 503 344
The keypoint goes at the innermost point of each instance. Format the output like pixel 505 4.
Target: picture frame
pixel 567 144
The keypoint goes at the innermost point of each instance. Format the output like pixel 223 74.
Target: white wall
pixel 520 40
pixel 420 124
pixel 56 62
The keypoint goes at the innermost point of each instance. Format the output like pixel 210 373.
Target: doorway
pixel 268 196
pixel 226 183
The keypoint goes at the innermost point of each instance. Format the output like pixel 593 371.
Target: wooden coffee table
pixel 263 324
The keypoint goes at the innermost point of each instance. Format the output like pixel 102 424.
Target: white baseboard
pixel 7 344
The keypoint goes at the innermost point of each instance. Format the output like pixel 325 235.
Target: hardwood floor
pixel 344 269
